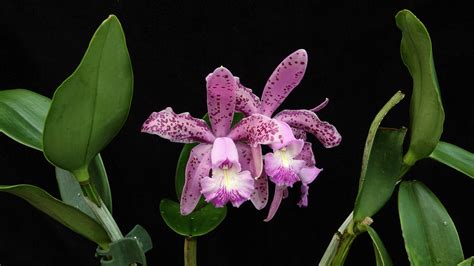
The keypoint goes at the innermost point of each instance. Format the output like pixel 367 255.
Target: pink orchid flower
pixel 292 160
pixel 221 148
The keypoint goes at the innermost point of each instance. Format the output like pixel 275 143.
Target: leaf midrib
pixel 94 105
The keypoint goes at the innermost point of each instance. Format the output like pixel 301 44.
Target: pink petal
pixel 275 203
pixel 177 127
pixel 294 147
pixel 307 154
pixel 259 196
pixel 224 151
pixel 281 174
pixel 320 106
pixel 309 174
pixel 304 196
pixel 257 160
pixel 287 134
pixel 198 166
pixel 308 121
pixel 219 191
pixel 259 129
pixel 221 88
pixel 246 102
pixel 248 160
pixel 284 79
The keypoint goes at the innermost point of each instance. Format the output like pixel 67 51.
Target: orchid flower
pixel 221 148
pixel 292 160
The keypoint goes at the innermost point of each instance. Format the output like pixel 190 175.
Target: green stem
pixel 340 244
pixel 98 207
pixel 190 244
pixel 106 220
pixel 343 249
pixel 89 191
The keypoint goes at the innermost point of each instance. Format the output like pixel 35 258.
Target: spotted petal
pixel 308 121
pixel 307 154
pixel 259 196
pixel 299 133
pixel 221 88
pixel 181 128
pixel 259 129
pixel 284 79
pixel 246 102
pixel 198 166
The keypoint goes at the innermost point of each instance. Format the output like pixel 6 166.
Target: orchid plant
pixel 234 152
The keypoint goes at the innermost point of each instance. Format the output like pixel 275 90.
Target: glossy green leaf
pixel 455 157
pixel 429 233
pixel 61 212
pixel 101 181
pixel 22 116
pixel 90 107
pixel 381 164
pixel 383 172
pixel 468 262
pixel 381 255
pixel 426 109
pixel 198 223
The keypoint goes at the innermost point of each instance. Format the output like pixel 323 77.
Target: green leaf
pixel 426 109
pixel 198 223
pixel 90 107
pixel 383 172
pixel 468 262
pixel 67 215
pixel 429 233
pixel 381 255
pixel 101 181
pixel 22 116
pixel 381 164
pixel 455 157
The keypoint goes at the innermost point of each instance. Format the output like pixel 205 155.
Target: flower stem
pixel 190 244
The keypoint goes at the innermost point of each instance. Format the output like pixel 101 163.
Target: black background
pixel 354 60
